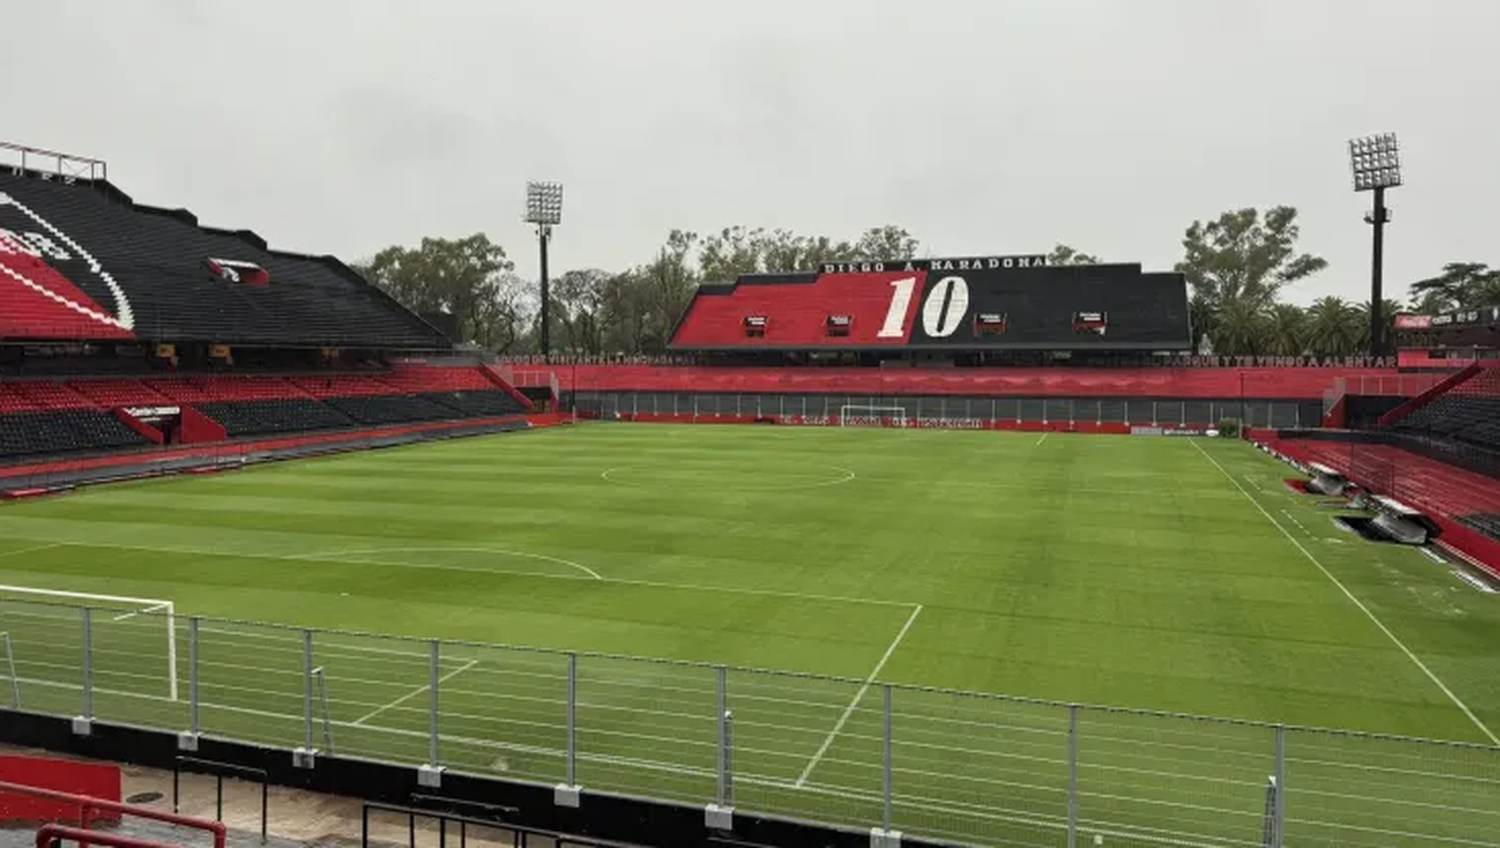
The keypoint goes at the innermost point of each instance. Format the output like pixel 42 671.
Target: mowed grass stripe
pixel 1095 569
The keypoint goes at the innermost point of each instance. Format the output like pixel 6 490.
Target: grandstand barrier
pixel 197 428
pixel 91 810
pixel 146 431
pixel 69 778
pixel 1259 383
pixel 940 766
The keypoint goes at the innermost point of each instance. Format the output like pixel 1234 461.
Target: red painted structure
pixel 68 780
pixel 49 835
pixel 1221 383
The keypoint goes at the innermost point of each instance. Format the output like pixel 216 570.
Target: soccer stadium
pixel 262 520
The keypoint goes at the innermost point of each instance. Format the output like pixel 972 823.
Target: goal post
pixel 872 415
pixel 119 608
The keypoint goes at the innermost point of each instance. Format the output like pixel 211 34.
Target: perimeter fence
pixel 944 765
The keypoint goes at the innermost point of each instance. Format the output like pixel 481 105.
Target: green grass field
pixel 1171 575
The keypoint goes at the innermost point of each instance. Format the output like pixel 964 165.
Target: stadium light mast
pixel 544 209
pixel 1376 162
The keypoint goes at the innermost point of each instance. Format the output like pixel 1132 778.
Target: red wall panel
pixel 1223 383
pixel 96 780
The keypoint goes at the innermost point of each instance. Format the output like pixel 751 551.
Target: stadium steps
pixel 57 432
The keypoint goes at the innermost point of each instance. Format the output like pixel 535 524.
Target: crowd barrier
pixel 936 764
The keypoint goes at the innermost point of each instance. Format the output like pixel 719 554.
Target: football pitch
pixel 1137 573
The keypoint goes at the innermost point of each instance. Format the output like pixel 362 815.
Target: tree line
pixel 1237 267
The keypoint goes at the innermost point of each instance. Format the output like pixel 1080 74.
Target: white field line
pixel 858 696
pixel 1043 438
pixel 414 693
pixel 1354 600
pixel 409 550
pixel 126 616
pixel 31 550
pixel 314 557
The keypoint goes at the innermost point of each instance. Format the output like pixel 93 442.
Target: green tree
pixel 733 251
pixel 578 309
pixel 1336 327
pixel 1245 255
pixel 462 277
pixel 886 242
pixel 1286 330
pixel 1242 329
pixel 1461 285
pixel 1063 254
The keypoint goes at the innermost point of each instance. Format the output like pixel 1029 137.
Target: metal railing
pixel 940 764
pixel 89 808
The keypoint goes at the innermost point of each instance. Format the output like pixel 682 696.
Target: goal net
pixel 866 415
pixel 45 628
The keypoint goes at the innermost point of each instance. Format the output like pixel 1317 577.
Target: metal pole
pixel 544 234
pixel 1072 775
pixel 193 725
pixel 572 719
pixel 88 664
pixel 432 701
pixel 1279 813
pixel 723 736
pixel 307 689
pixel 1377 219
pixel 10 663
pixel 886 761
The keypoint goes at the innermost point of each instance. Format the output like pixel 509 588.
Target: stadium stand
pixel 82 261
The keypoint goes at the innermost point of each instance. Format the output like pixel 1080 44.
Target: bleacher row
pixel 1468 412
pixel 43 417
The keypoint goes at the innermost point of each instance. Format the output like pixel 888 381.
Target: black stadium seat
pixel 283 415
pixel 54 432
pixel 160 276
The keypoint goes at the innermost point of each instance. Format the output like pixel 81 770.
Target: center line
pixel 415 692
pixel 858 696
pixel 1350 595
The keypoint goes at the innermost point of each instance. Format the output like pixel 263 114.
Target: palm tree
pixel 1242 328
pixel 1286 330
pixel 1334 327
pixel 1388 310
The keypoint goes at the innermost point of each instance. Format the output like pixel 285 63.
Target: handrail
pixel 523 831
pixel 49 835
pixel 87 806
pixel 218 770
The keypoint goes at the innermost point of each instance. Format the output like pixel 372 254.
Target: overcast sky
pixel 983 126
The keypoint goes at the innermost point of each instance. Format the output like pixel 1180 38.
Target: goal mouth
pixel 871 415
pixel 29 616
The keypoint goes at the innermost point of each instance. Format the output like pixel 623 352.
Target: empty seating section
pixel 283 415
pixel 477 404
pixel 392 409
pixel 39 417
pixel 56 432
pixel 147 272
pixel 1468 411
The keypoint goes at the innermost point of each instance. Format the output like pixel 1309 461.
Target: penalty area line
pixel 1356 601
pixel 414 693
pixel 858 696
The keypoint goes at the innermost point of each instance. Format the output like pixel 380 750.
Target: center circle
pixel 725 477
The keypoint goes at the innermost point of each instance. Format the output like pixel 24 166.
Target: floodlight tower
pixel 544 209
pixel 1376 161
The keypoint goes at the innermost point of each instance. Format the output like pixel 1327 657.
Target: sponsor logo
pixel 952 423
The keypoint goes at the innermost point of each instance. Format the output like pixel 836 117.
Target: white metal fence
pixel 944 765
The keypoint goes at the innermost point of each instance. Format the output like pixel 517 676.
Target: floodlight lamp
pixel 544 203
pixel 1375 161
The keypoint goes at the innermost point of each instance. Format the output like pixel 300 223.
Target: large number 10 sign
pixel 942 312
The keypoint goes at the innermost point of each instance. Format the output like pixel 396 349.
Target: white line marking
pixel 718 479
pixel 655 584
pixel 858 696
pixel 481 550
pixel 126 616
pixel 1044 437
pixel 33 549
pixel 415 692
pixel 1356 601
